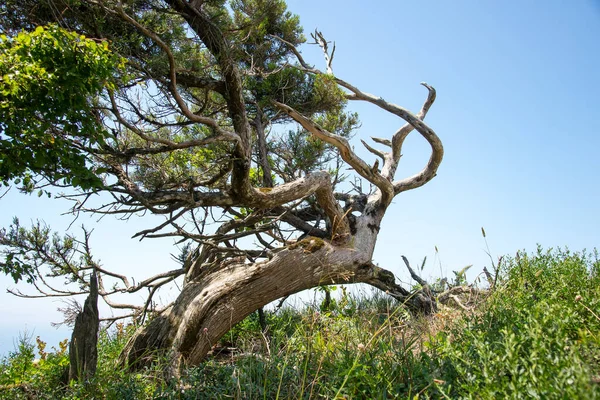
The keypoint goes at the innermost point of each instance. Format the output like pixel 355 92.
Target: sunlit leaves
pixel 48 79
pixel 327 94
pixel 256 22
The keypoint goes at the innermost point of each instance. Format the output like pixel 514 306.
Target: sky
pixel 517 111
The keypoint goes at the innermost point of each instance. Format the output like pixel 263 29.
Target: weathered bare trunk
pixel 219 294
pixel 83 349
pixel 210 305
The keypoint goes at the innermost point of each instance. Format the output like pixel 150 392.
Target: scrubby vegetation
pixel 536 335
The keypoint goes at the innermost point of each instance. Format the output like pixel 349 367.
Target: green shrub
pixel 536 338
pixel 22 375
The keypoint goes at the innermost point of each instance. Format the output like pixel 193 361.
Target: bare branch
pixel 402 133
pixel 170 220
pixel 189 79
pixel 294 50
pixel 168 145
pixel 118 317
pixel 106 297
pixel 43 294
pixel 320 40
pixel 414 122
pixel 413 274
pixel 385 142
pixel 437 150
pixel 5 192
pixel 378 153
pixel 418 302
pixel 344 148
pixel 122 278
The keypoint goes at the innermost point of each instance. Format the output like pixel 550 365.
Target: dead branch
pixel 413 274
pixel 320 40
pixel 346 152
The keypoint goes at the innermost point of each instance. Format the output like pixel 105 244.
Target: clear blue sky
pixel 517 111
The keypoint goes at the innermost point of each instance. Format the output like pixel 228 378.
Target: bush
pixel 22 375
pixel 537 337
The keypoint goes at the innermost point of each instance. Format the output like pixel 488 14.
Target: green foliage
pixel 25 250
pixel 308 94
pixel 60 142
pixel 327 93
pixel 300 153
pixel 188 166
pixel 112 381
pixel 536 338
pixel 257 21
pixel 22 373
pixel 16 368
pixel 48 80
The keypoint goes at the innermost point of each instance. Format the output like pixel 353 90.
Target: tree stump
pixel 83 349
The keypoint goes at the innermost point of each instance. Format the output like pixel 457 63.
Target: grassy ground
pixel 537 335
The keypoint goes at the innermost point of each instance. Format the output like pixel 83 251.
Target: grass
pixel 537 335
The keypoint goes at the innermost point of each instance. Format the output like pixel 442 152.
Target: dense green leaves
pixel 537 337
pixel 258 24
pixel 48 81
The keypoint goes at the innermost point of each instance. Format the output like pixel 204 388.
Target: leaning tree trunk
pixel 218 298
pixel 83 349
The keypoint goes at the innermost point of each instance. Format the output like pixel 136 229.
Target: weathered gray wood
pixel 83 349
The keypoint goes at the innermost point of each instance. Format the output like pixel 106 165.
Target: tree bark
pixel 217 295
pixel 83 349
pixel 217 299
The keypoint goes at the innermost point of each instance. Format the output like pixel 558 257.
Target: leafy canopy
pixel 49 79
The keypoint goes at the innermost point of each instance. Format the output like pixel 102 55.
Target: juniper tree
pixel 211 118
